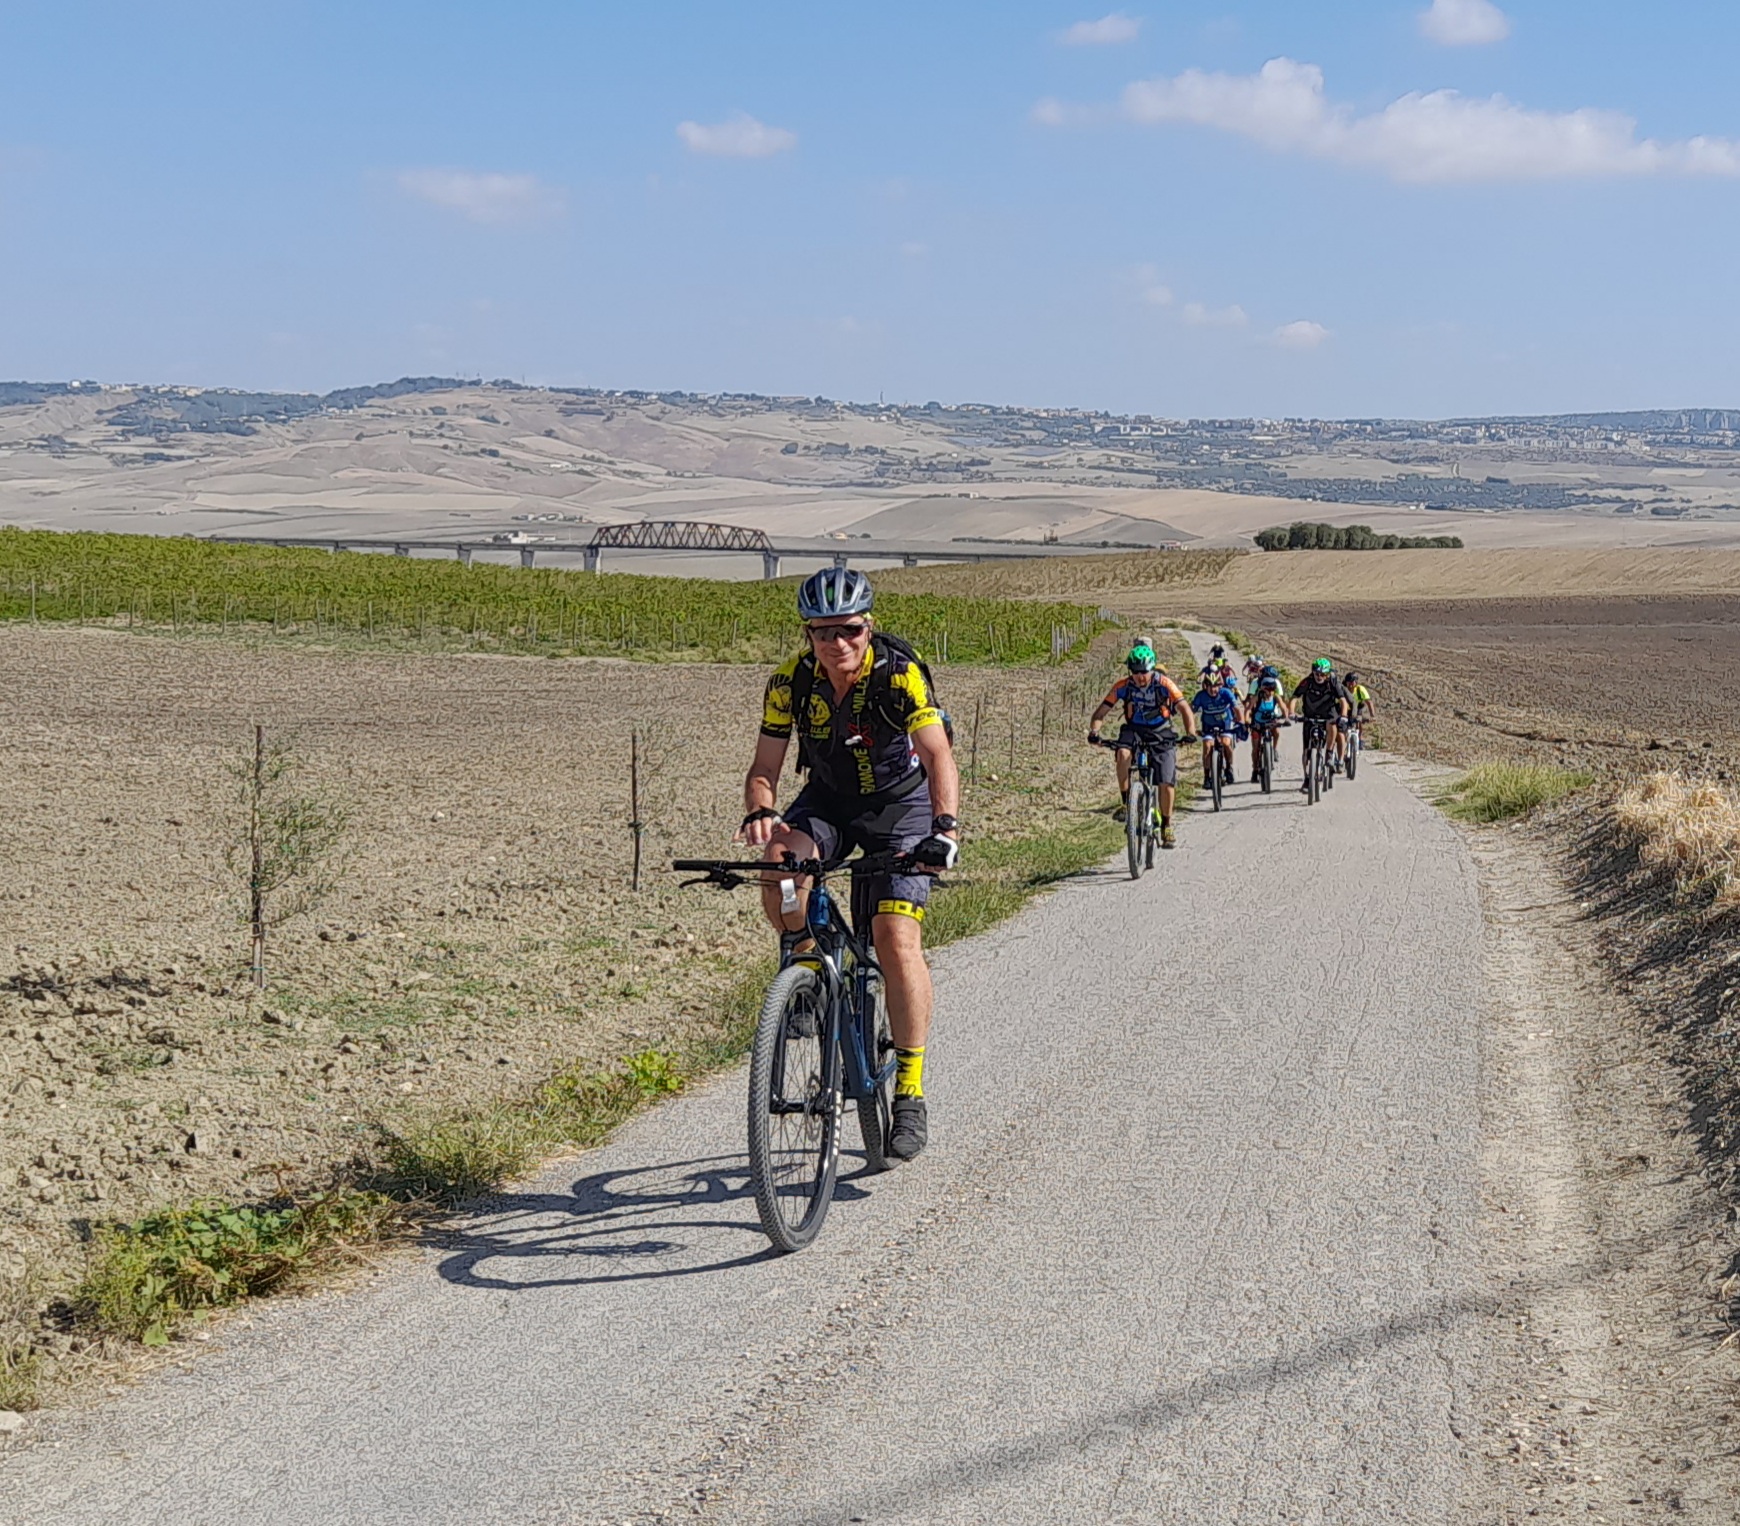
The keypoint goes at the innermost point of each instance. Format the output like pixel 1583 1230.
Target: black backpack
pixel 881 702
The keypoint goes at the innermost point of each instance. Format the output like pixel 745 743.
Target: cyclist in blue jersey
pixel 1264 711
pixel 1149 700
pixel 1217 707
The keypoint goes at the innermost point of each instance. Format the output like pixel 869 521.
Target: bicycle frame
pixel 847 960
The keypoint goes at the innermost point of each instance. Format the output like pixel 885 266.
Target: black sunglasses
pixel 837 632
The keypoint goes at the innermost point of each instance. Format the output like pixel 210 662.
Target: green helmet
pixel 1323 665
pixel 1141 658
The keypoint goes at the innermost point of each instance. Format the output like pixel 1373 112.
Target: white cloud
pixel 1464 23
pixel 1301 335
pixel 1108 31
pixel 1198 316
pixel 914 250
pixel 740 136
pixel 483 198
pixel 1437 136
pixel 1157 295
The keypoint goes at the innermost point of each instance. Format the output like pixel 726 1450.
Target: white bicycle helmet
pixel 834 592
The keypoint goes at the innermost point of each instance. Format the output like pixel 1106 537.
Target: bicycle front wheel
pixel 1352 754
pixel 1135 802
pixel 1214 774
pixel 793 1108
pixel 1266 765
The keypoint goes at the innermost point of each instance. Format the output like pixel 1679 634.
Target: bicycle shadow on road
pixel 632 1224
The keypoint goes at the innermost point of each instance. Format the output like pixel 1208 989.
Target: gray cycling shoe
pixel 911 1131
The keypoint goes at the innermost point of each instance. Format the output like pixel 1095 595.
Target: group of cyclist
pixel 882 779
pixel 1219 714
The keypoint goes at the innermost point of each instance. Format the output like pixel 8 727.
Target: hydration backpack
pixel 886 649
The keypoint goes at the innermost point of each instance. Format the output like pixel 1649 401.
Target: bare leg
pixel 801 845
pixel 1123 756
pixel 906 978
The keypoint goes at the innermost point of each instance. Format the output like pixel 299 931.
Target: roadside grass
pixel 1688 829
pixel 148 1277
pixel 1491 792
pixel 21 1364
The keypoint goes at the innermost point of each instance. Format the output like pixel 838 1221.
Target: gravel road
pixel 1194 1242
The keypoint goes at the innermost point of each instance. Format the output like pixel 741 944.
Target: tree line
pixel 1308 535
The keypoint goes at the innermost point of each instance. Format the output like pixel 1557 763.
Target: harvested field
pixel 482 933
pixel 1155 583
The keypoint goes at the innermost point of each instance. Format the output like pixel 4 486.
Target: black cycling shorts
pixel 1162 745
pixel 838 826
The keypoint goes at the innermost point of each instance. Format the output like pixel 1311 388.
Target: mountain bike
pixel 1141 806
pixel 1352 745
pixel 822 1039
pixel 1317 775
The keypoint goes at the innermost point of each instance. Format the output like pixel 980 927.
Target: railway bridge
pixel 661 535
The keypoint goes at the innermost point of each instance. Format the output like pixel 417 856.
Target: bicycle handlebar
pixel 728 874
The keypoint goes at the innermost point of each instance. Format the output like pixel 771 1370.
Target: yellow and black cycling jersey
pixel 860 747
pixel 1357 695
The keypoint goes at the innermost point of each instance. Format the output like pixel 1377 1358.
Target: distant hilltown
pixel 1072 445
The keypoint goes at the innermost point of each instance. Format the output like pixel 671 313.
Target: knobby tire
pixel 794 1157
pixel 1352 753
pixel 1133 803
pixel 876 1112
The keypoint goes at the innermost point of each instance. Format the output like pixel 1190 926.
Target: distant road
pixel 1195 1242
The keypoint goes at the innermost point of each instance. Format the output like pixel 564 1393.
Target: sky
pixel 1351 208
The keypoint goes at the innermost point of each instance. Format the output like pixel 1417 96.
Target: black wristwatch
pixel 944 824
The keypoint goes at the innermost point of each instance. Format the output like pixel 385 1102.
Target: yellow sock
pixel 909 1077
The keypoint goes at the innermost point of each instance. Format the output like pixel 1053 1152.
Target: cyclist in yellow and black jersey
pixel 882 779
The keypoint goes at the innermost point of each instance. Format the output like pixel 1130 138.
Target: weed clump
pixel 146 1278
pixel 1491 792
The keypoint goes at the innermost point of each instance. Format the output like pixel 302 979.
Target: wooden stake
pixel 635 825
pixel 257 850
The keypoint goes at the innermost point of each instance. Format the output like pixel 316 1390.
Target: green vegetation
pixel 353 597
pixel 1310 535
pixel 146 1278
pixel 1499 791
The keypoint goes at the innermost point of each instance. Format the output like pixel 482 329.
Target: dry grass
pixel 1689 828
pixel 1060 577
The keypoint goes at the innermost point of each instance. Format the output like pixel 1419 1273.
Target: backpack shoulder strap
pixel 803 683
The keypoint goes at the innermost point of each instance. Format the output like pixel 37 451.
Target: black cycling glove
pixel 937 852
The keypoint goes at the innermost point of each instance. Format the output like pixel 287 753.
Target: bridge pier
pixel 840 559
pixel 401 550
pixel 770 565
pixel 464 554
pixel 593 557
pixel 909 560
pixel 527 553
